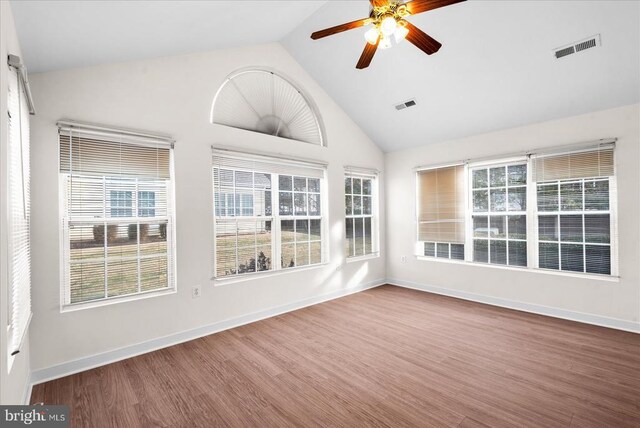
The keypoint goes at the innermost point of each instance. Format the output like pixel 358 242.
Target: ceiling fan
pixel 388 19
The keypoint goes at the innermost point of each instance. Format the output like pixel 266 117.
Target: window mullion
pixel 106 236
pixel 136 207
pixel 276 240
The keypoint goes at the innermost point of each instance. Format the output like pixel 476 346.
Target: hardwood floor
pixel 384 357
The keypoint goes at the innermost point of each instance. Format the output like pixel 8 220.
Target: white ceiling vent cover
pixel 406 104
pixel 262 101
pixel 588 43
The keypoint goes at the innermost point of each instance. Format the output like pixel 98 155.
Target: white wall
pixel 14 382
pixel 173 95
pixel 590 297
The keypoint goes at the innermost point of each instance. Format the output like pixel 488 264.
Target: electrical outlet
pixel 196 291
pixel 403 259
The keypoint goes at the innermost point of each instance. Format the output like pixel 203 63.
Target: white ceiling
pixel 62 34
pixel 496 68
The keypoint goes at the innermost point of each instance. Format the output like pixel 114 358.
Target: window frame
pixel 469 237
pixel 531 212
pixel 64 222
pixel 18 275
pixel 276 218
pixel 420 245
pixel 613 227
pixel 372 175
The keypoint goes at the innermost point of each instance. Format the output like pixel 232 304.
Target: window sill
pixel 354 259
pixel 591 276
pixel 217 282
pixel 114 300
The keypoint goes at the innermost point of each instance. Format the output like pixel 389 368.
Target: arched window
pixel 261 100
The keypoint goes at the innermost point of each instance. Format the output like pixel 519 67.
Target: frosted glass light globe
pixel 388 26
pixel 372 36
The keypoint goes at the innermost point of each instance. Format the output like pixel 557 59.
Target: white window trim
pixel 613 228
pixel 63 241
pixel 275 218
pixel 18 292
pixel 591 276
pixel 251 276
pixel 419 245
pixel 532 224
pixel 115 300
pixel 469 213
pixel 374 176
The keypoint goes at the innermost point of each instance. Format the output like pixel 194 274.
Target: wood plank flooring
pixel 384 357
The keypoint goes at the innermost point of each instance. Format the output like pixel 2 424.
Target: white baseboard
pixel 90 362
pixel 617 324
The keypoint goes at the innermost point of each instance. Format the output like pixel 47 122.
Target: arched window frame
pixel 307 99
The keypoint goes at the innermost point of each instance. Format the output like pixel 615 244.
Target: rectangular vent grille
pixel 588 43
pixel 406 104
pixel 565 52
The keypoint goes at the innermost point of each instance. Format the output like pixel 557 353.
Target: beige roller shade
pixel 441 205
pixel 92 156
pixel 583 164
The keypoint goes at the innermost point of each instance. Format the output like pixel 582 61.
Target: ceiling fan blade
pixel 378 3
pixel 340 28
pixel 367 55
pixel 419 6
pixel 422 40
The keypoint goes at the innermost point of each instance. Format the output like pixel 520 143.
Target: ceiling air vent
pixel 589 42
pixel 408 103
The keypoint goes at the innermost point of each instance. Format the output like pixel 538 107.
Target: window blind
pixel 575 210
pixel 19 214
pixel 117 190
pixel 589 163
pixel 441 205
pixel 88 154
pixel 267 213
pixel 227 159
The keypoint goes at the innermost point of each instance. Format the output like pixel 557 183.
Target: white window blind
pixel 268 213
pixel 588 163
pixel 118 218
pixel 19 214
pixel 441 211
pixel 575 210
pixel 360 192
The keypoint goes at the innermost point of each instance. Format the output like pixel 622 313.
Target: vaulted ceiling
pixel 58 34
pixel 495 70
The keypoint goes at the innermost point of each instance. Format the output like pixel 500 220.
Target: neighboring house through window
pixel 118 217
pixel 252 237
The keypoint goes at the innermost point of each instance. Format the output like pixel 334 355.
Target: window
pixel 146 204
pixel 360 190
pixel 250 236
pixel 441 212
pixel 499 214
pixel 122 203
pixel 553 210
pixel 118 217
pixel 18 215
pixel 574 211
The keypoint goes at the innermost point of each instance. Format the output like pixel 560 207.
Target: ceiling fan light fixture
pixel 372 35
pixel 385 42
pixel 401 32
pixel 388 26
